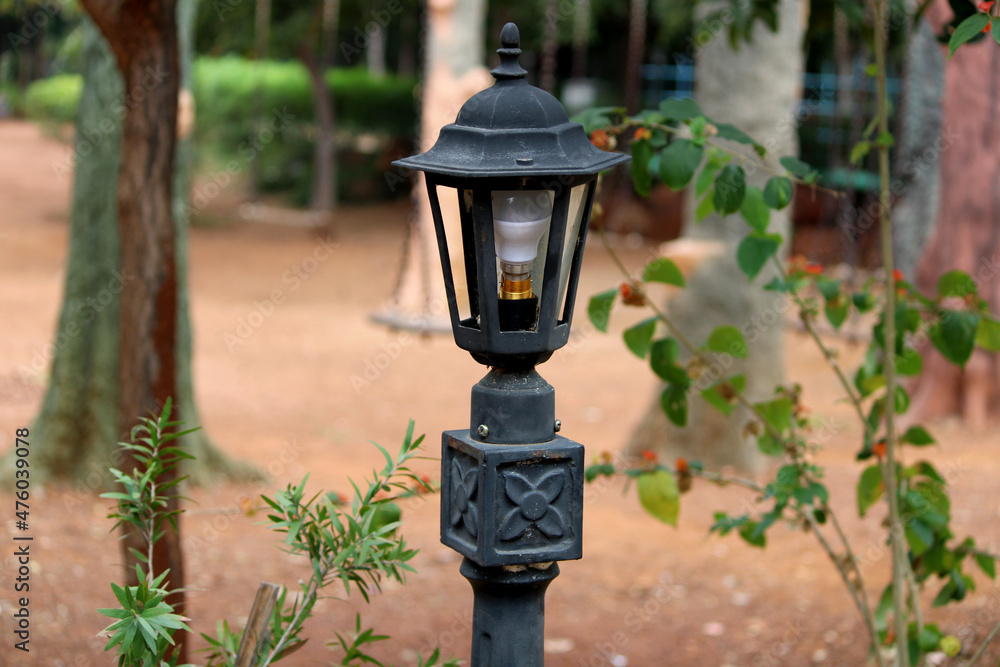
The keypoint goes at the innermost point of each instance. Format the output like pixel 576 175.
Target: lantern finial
pixel 510 49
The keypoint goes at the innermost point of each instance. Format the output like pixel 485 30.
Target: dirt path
pixel 283 343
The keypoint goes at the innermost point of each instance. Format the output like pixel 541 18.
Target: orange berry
pixel 985 6
pixel 642 133
pixel 631 296
pixel 648 455
pixel 897 275
pixel 813 268
pixel 879 449
pixel 600 139
pixel 681 464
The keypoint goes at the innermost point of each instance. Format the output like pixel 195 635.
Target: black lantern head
pixel 523 176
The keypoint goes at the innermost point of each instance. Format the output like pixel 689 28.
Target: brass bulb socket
pixel 515 288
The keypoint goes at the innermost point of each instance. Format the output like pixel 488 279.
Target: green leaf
pixel 754 251
pixel 663 355
pixel 909 362
pixel 597 117
pixel 777 413
pixel 659 495
pixel 966 30
pixel 988 332
pixel 729 340
pixel 870 488
pixel 730 187
pixel 663 270
pixel 642 153
pixel 917 436
pixel 674 403
pixel 733 133
pixel 955 283
pixel 678 162
pixel 705 178
pixel 885 140
pixel 679 109
pixel 599 309
pixel 795 166
pixel 638 337
pixel 919 536
pixel 995 31
pixel 859 151
pixel 752 536
pixel 755 211
pixel 987 565
pixel 706 207
pixel 778 192
pixel 837 308
pixel 955 337
pixel 721 394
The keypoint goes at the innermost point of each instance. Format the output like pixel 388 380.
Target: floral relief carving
pixel 533 504
pixel 464 486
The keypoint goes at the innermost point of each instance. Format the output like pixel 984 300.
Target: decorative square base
pixel 512 504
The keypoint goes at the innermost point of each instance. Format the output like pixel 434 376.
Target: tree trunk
pixel 324 190
pixel 755 88
pixel 966 235
pixel 636 54
pixel 917 166
pixel 143 38
pixel 550 47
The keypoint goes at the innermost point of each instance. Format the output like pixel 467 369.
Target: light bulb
pixel 520 218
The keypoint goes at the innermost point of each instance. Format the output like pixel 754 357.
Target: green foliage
pixel 355 544
pixel 659 495
pixel 956 320
pixel 53 99
pixel 228 92
pixel 967 30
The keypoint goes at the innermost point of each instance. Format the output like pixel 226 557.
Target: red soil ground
pixel 644 595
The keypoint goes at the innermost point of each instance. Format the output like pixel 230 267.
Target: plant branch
pixel 982 647
pixel 828 355
pixel 899 556
pixel 744 157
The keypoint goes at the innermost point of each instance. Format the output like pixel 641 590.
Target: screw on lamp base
pixel 508 615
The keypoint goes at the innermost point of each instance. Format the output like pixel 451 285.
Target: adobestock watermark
pixel 635 621
pixel 75 325
pixel 868 217
pixel 33 24
pixel 297 275
pixel 362 37
pixel 378 362
pixel 87 139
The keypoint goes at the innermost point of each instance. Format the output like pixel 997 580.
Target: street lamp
pixel 511 489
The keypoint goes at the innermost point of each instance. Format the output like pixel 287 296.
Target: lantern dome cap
pixel 512 129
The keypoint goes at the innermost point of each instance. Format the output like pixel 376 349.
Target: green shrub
pixel 226 93
pixel 54 99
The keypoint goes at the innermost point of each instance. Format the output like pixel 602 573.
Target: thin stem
pixel 982 647
pixel 828 355
pixel 683 339
pixel 899 555
pixel 855 590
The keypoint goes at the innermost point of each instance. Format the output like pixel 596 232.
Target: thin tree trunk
pixel 636 54
pixel 581 38
pixel 550 46
pixel 261 39
pixel 324 190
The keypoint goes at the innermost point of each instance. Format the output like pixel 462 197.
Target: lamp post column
pixel 512 504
